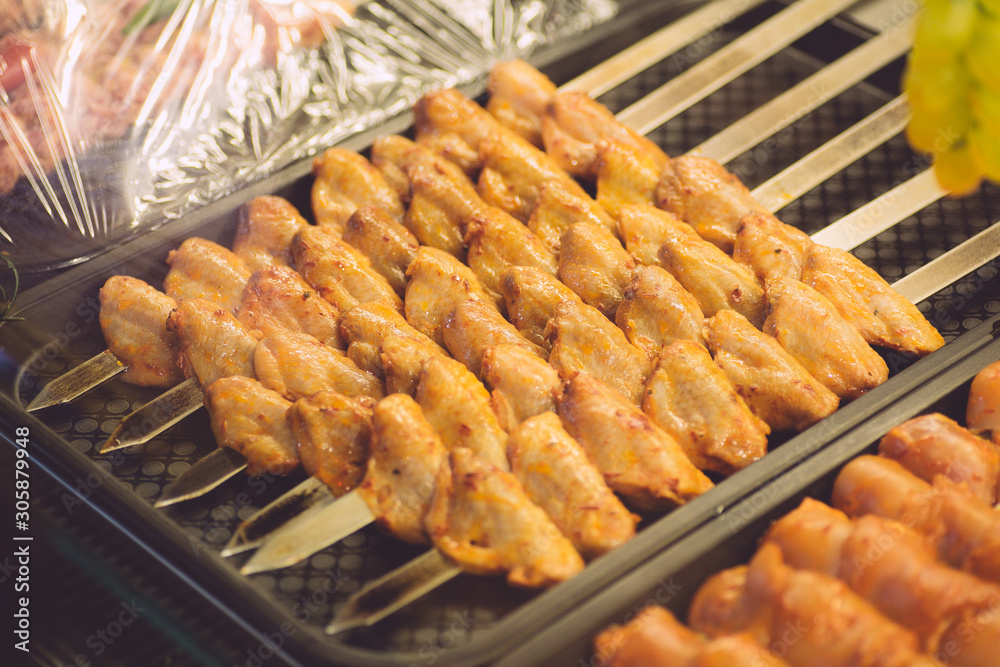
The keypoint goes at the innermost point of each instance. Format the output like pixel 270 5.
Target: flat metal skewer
pixel 206 474
pixel 310 532
pixel 309 496
pixel 78 381
pixel 156 416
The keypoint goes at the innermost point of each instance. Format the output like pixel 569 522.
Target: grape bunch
pixel 952 81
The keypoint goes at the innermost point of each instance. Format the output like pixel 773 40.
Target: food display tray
pixel 674 575
pixel 471 620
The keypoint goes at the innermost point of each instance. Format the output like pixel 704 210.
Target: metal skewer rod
pixel 310 495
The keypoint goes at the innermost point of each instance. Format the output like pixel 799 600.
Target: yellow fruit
pixel 985 148
pixel 982 54
pixel 946 26
pixel 986 109
pixel 956 170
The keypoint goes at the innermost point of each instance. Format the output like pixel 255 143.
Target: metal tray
pixel 673 576
pixel 471 620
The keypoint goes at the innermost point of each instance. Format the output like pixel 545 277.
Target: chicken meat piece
pixel 449 112
pixel 531 297
pixel 497 241
pixel 625 177
pixel 264 235
pixel 703 194
pixel 833 626
pixel 584 340
pixel 556 474
pixel 514 172
pixel 714 278
pixel 690 397
pixel 365 328
pixel 474 326
pixel 775 386
pixel 437 283
pixel 402 360
pixel 297 365
pixel 442 199
pixel 340 273
pixel 482 519
pixel 458 406
pixel 405 454
pixel 655 637
pixel 388 155
pixel 809 327
pixel 574 124
pixel 964 530
pixel 277 298
pixel 133 320
pixel 249 418
pixel 521 384
pixel 519 94
pixel 867 301
pixel 770 248
pixel 982 415
pixel 594 264
pixel 203 269
pixel 452 147
pixel 904 581
pixel 644 229
pixel 932 444
pixel 332 432
pixel 639 460
pixel 656 311
pixel 388 245
pixel 345 181
pixel 557 209
pixel 213 343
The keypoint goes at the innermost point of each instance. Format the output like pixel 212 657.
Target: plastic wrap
pixel 120 115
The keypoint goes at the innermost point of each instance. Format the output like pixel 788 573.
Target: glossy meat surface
pixel 437 283
pixel 531 297
pixel 880 313
pixel 277 298
pixel 133 320
pixel 811 329
pixel 655 311
pixel 297 365
pixel 625 177
pixel 584 340
pixel 458 406
pixel 518 96
pixel 833 626
pixel 249 418
pixel 644 229
pixel 770 247
pixel 638 459
pixel 474 326
pixel 521 384
pixel 983 411
pixel 442 199
pixel 933 444
pixel 702 193
pixel 402 360
pixel 690 397
pixel 266 227
pixel 715 279
pixel 367 325
pixel 574 124
pixel 405 456
pixel 345 181
pixel 482 518
pixel 340 273
pixel 388 245
pixel 203 269
pixel 213 343
pixel 775 386
pixel 654 637
pixel 557 209
pixel 594 264
pixel 332 433
pixel 558 477
pixel 496 241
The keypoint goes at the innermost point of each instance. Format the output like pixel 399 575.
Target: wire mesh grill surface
pixel 466 607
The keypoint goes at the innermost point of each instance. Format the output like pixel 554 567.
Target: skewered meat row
pixel 913 545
